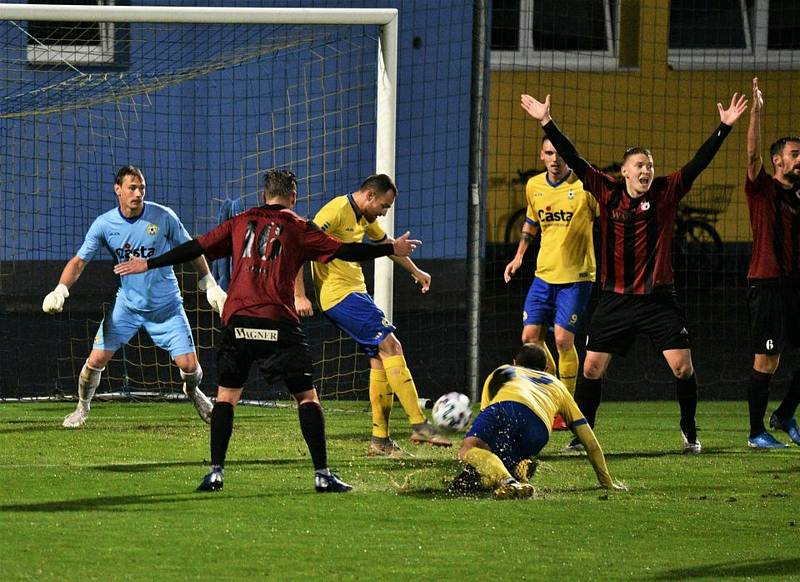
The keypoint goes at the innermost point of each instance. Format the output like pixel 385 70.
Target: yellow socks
pixel 551 363
pixel 402 384
pixel 568 368
pixel 493 472
pixel 381 399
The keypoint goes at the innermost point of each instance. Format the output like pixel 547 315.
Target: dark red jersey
pixel 775 221
pixel 268 245
pixel 636 233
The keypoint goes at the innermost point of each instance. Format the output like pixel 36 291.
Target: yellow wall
pixel 670 112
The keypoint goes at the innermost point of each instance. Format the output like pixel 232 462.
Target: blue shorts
pixel 359 317
pixel 169 329
pixel 567 301
pixel 512 431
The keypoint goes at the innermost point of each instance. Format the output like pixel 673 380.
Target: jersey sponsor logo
pixel 152 229
pixel 126 252
pixel 548 215
pixel 251 333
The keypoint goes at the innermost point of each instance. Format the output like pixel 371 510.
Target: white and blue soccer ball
pixel 452 412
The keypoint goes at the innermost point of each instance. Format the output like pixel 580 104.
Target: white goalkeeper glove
pixel 54 301
pixel 215 295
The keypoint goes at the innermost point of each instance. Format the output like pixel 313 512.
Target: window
pixel 734 34
pixel 73 43
pixel 568 34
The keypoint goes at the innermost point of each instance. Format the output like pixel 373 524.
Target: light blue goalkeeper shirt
pixel 155 231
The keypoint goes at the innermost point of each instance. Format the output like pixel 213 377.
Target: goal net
pixel 203 108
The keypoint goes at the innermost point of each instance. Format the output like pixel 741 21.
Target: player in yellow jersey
pixel 517 404
pixel 563 212
pixel 343 298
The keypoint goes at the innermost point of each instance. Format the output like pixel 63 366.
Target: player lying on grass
pixel 151 302
pixel 269 245
pixel 637 221
pixel 517 405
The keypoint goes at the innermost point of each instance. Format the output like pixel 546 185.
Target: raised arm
pixel 541 112
pixel 728 117
pixel 754 160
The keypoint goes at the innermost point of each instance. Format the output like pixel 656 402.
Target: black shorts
pixel 774 308
pixel 279 346
pixel 619 318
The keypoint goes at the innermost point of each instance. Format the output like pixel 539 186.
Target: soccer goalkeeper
pixel 517 405
pixel 151 302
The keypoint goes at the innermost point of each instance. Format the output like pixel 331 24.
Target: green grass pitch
pixel 115 500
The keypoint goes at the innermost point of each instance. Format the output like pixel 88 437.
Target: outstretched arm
pixel 595 455
pixel 420 277
pixel 181 254
pixel 541 112
pixel 754 160
pixel 709 149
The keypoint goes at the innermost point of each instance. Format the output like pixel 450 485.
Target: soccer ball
pixel 452 412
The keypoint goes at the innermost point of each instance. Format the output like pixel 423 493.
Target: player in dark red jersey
pixel 268 245
pixel 773 297
pixel 637 219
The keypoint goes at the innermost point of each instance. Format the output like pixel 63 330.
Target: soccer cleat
pixel 212 481
pixel 574 446
pixel 330 483
pixel 526 469
pixel 77 418
pixel 765 441
pixel 559 424
pixel 514 490
pixel 202 403
pixel 691 448
pixel 787 426
pixel 388 449
pixel 425 433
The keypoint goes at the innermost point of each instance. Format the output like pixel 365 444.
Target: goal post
pixel 116 106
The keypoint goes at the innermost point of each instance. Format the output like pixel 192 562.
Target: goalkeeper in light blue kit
pixel 517 405
pixel 150 301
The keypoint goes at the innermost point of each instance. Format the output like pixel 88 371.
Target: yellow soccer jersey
pixel 564 212
pixel 336 280
pixel 543 393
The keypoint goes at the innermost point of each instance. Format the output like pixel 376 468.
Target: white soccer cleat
pixel 77 418
pixel 202 403
pixel 691 448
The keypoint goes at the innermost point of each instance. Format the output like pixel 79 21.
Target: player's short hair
pixel 380 184
pixel 531 356
pixel 127 171
pixel 632 151
pixel 280 183
pixel 776 148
